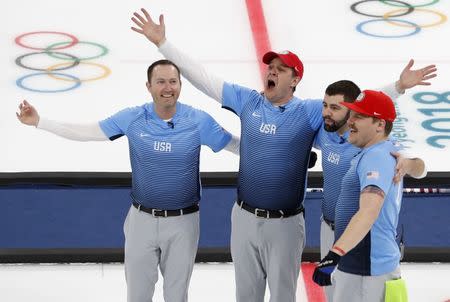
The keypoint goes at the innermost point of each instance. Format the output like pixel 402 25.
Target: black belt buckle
pixel 159 213
pixel 261 213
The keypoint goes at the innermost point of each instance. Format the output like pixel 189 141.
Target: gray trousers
pixel 266 250
pixel 170 243
pixel 356 288
pixel 326 243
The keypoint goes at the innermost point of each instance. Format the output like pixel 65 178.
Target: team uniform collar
pixel 342 138
pixel 152 115
pixel 286 106
pixel 375 145
pixel 335 137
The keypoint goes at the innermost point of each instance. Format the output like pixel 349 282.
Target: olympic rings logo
pixel 56 71
pixel 391 17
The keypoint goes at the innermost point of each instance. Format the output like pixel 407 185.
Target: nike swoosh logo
pixel 256 114
pixel 144 135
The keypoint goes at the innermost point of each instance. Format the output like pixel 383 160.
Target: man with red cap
pixel 366 253
pixel 337 153
pixel 277 132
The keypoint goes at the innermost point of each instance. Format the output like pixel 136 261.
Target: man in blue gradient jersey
pixel 277 133
pixel 366 253
pixel 164 137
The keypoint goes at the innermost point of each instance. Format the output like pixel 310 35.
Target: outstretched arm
pixel 192 70
pixel 28 115
pixel 410 78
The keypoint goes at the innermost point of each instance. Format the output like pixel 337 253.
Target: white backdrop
pixel 217 33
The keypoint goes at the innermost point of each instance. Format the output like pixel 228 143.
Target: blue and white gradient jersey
pixel 378 252
pixel 275 147
pixel 337 153
pixel 165 156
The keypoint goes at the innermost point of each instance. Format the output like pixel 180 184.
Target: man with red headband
pixel 366 253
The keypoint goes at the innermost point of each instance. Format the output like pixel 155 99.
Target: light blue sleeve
pixel 396 143
pixel 235 97
pixel 116 125
pixel 211 133
pixel 315 143
pixel 318 138
pixel 314 111
pixel 376 168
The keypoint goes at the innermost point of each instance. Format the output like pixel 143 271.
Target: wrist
pixel 399 87
pixel 161 42
pixel 338 250
pixel 37 121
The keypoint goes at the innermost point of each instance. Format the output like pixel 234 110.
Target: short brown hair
pixel 388 125
pixel 160 62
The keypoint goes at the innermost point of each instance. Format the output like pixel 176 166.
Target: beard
pixel 337 124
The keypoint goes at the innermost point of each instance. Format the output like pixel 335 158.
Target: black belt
pixel 329 222
pixel 166 213
pixel 263 213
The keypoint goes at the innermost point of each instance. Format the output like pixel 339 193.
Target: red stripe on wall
pixel 314 292
pixel 259 30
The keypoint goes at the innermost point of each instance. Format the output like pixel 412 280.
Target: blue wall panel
pixel 42 216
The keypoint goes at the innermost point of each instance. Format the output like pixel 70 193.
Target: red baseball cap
pixel 373 103
pixel 288 58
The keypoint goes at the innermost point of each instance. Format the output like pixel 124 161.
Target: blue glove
pixel 322 273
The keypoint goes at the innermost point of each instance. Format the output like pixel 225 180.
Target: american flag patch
pixel 373 174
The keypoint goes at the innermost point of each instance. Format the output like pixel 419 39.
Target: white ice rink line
pixel 210 282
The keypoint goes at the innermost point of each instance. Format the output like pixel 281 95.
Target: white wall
pixel 218 34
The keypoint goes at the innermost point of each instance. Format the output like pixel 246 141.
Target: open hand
pixel 156 33
pixel 27 114
pixel 410 78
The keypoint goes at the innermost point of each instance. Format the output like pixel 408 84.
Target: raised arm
pixel 28 115
pixel 410 78
pixel 192 70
